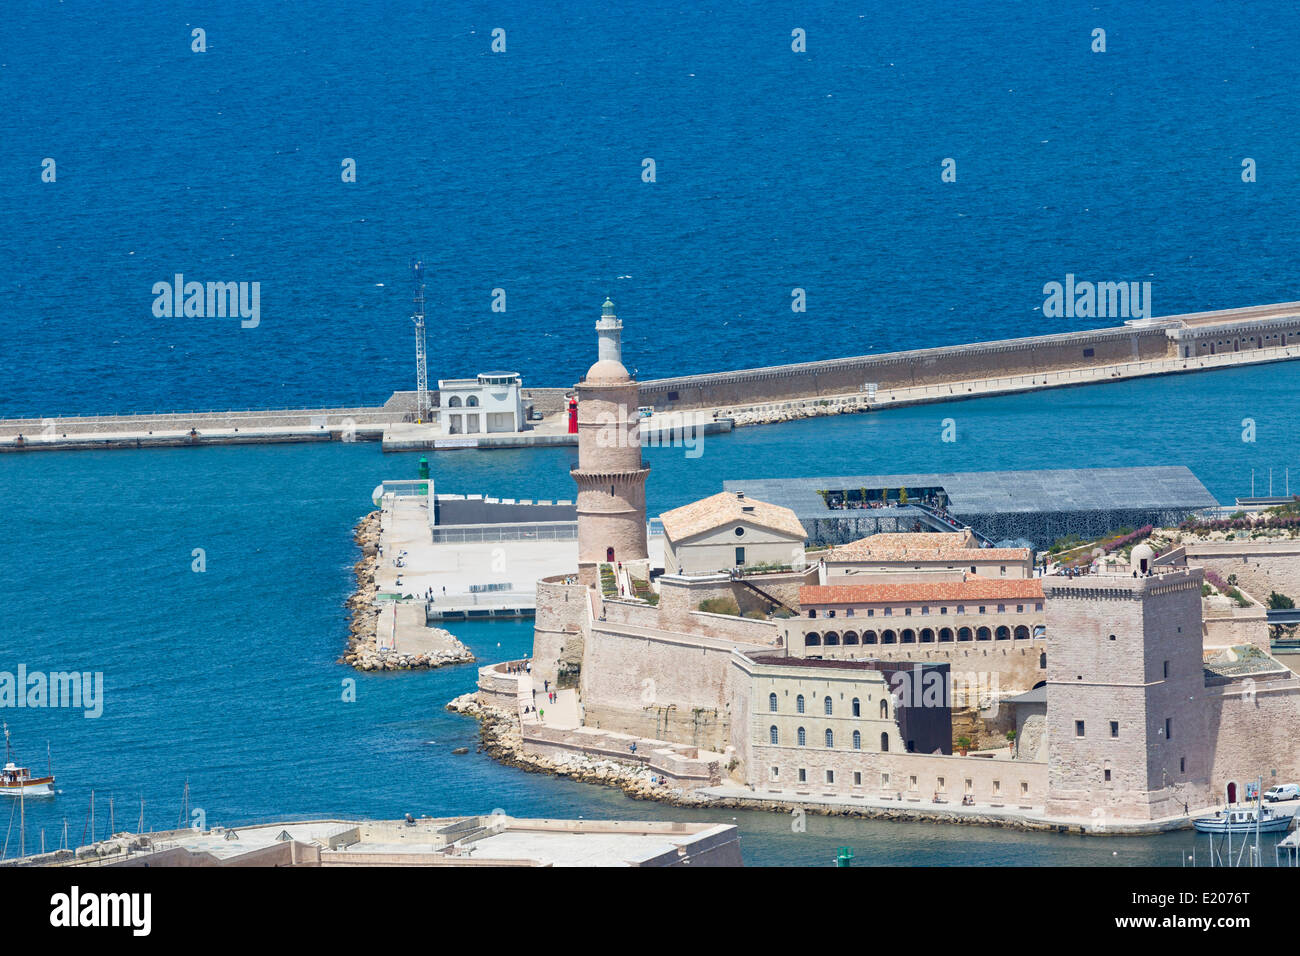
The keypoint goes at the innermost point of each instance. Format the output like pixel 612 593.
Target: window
pixel 1112 637
pixel 830 738
pixel 798 704
pixel 826 706
pixel 1182 765
pixel 1114 728
pixel 997 788
pixel 1106 773
pixel 857 740
pixel 884 743
pixel 925 611
pixel 803 775
pixel 849 612
pixel 884 710
pixel 1002 609
pixel 1169 728
pixel 774 735
pixel 803 737
pixel 857 707
pixel 889 612
pixel 943 610
pixel 471 402
pixel 740 556
pixel 857 778
pixel 939 785
pixel 771 702
pixel 776 773
pixel 884 780
pixel 1078 728
pixel 907 612
pixel 871 612
pixel 1024 789
pixel 830 776
pixel 1020 609
pixel 983 609
pixel 961 608
pixel 1166 671
pixel 740 532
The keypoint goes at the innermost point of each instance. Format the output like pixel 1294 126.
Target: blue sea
pixel 522 171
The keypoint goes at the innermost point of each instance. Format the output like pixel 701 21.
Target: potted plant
pixel 1011 740
pixel 963 745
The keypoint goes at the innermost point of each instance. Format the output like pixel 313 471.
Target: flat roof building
pixel 1031 508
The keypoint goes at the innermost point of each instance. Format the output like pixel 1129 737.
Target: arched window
pixel 453 402
pixel 857 707
pixel 1042 661
pixel 774 735
pixel 771 702
pixel 1004 633
pixel 909 636
pixel 927 635
pixel 884 709
pixel 830 738
pixel 884 742
pixel 945 635
pixel 983 634
pixel 826 705
pixel 832 638
pixel 812 639
pixel 888 637
pixel 803 737
pixel 857 740
pixel 963 634
pixel 471 402
pixel 1022 633
pixel 850 637
pixel 869 637
pixel 798 704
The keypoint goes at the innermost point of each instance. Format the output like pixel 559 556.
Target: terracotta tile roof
pixel 726 508
pixel 972 589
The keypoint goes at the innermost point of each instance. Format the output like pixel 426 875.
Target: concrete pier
pixel 712 403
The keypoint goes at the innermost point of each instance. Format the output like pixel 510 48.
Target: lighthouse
pixel 611 473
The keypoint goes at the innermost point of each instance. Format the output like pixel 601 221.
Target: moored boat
pixel 1244 820
pixel 18 781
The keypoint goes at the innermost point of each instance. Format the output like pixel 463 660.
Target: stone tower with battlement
pixel 611 473
pixel 1125 689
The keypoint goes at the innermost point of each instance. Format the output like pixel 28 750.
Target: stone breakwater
pixel 363 651
pixel 502 739
pixel 795 411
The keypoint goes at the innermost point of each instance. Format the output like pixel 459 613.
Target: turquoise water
pixel 228 678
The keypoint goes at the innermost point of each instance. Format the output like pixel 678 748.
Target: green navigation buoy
pixel 844 856
pixel 424 467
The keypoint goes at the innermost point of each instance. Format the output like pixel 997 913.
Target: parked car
pixel 1283 791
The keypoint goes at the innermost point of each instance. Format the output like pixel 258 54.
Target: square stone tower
pixel 1125 690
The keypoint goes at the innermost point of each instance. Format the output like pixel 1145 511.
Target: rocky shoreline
pixel 501 738
pixel 362 650
pixel 807 408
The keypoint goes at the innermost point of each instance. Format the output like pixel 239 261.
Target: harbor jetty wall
pixel 1197 336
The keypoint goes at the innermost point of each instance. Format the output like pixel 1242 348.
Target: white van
pixel 1284 791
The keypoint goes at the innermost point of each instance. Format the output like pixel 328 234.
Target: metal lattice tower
pixel 421 364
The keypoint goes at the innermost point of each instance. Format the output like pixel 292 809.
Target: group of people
pixel 518 667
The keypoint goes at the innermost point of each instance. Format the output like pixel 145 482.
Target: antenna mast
pixel 421 364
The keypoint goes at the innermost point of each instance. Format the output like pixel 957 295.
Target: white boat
pixel 1244 820
pixel 18 781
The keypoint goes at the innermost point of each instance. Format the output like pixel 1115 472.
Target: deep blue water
pixel 522 171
